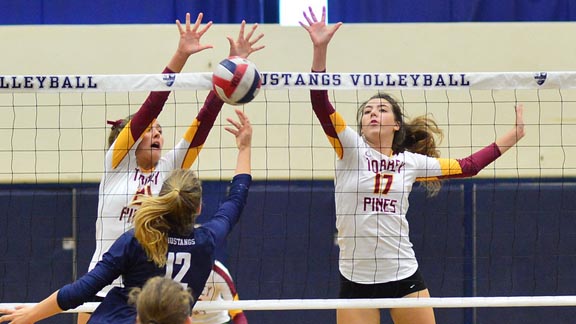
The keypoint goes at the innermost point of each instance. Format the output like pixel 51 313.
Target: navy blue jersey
pixel 189 261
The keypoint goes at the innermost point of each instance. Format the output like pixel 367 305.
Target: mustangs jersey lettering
pixel 189 261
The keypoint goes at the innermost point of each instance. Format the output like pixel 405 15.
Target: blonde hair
pixel 419 135
pixel 161 301
pixel 174 210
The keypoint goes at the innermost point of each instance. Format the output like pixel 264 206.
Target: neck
pixel 380 145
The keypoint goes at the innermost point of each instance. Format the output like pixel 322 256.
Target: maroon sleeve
pixel 323 109
pixel 149 110
pixel 206 117
pixel 474 163
pixel 240 318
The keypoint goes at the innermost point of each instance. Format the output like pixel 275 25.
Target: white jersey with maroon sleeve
pixel 122 184
pixel 219 286
pixel 371 203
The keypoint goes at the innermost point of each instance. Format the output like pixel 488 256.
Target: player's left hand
pixel 244 45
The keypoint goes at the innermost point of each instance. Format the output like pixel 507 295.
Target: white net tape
pixel 292 80
pixel 311 304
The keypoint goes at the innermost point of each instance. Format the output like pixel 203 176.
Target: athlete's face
pixel 149 150
pixel 379 122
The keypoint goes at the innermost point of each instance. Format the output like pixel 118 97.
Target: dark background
pixel 17 12
pixel 477 238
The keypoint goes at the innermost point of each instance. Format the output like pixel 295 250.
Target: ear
pixel 397 126
pixel 188 320
pixel 199 211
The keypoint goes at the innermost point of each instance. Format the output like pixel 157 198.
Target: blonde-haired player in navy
pixel 134 166
pixel 375 171
pixel 163 242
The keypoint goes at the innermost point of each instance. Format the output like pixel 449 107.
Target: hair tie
pixel 115 123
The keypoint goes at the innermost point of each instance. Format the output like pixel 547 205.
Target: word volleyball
pixel 45 81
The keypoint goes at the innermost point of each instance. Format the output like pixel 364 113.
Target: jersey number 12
pixel 183 259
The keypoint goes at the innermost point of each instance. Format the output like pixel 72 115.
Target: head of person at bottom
pixel 162 301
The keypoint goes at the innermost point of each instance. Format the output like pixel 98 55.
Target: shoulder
pixel 220 268
pixel 413 156
pixel 127 239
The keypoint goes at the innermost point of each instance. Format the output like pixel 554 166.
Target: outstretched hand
pixel 244 45
pixel 190 35
pixel 15 315
pixel 320 32
pixel 511 137
pixel 242 130
pixel 520 132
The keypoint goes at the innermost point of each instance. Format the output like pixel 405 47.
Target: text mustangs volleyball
pixel 274 80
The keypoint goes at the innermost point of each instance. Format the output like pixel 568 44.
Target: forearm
pixel 474 163
pixel 243 163
pixel 319 58
pixel 46 308
pixel 178 61
pixel 509 139
pixel 149 110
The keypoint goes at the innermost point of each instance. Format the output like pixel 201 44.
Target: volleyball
pixel 236 80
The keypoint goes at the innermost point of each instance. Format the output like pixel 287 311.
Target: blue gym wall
pixel 477 238
pixel 34 12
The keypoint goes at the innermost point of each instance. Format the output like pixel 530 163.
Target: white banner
pixel 292 80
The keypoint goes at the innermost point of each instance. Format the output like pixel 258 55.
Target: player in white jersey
pixel 219 286
pixel 375 171
pixel 134 165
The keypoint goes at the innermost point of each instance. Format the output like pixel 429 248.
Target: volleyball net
pixel 488 247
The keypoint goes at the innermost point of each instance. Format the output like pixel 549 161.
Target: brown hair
pixel 117 127
pixel 174 210
pixel 161 301
pixel 419 135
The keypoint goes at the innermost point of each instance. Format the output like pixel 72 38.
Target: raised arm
pixel 473 164
pixel 321 34
pixel 515 134
pixel 230 210
pixel 189 42
pixel 242 130
pixel 243 45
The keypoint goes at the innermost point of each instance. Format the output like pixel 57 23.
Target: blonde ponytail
pixel 174 210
